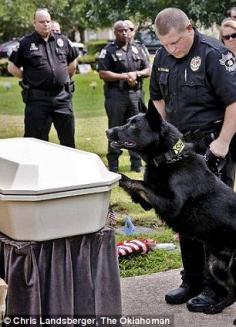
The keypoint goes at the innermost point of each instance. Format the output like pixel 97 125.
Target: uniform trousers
pixel 194 252
pixel 42 109
pixel 121 105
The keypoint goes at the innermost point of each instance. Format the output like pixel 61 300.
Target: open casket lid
pixel 30 166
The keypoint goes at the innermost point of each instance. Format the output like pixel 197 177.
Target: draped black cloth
pixel 73 276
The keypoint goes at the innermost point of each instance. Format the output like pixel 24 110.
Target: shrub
pixel 3 67
pixel 95 47
pixel 88 59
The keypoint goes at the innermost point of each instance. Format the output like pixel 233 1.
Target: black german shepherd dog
pixel 183 192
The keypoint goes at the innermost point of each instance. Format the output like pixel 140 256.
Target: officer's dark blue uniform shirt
pixel 114 58
pixel 198 87
pixel 45 64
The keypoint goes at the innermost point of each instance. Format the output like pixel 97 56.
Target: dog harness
pixel 173 155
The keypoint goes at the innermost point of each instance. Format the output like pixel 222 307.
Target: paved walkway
pixel 144 295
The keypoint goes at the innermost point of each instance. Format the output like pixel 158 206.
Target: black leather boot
pixel 182 294
pixel 208 302
pixel 187 290
pixel 113 166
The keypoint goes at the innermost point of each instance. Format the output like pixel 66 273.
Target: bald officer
pixel 44 62
pixel 122 66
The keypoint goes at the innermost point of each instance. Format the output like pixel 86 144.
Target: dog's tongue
pixel 119 144
pixel 116 144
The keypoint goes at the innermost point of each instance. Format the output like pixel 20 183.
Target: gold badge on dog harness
pixel 178 147
pixel 173 155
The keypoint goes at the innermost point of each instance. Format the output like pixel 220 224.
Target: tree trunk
pixel 81 31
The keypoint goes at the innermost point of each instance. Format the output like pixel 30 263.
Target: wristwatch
pixel 138 74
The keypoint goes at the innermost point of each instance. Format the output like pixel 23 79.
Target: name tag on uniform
pixel 162 69
pixel 118 54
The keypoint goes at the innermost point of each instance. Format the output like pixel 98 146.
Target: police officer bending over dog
pixel 45 61
pixel 193 85
pixel 122 66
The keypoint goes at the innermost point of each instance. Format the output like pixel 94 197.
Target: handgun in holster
pixel 25 91
pixel 70 86
pixel 215 164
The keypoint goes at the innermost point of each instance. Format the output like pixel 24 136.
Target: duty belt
pixel 42 93
pixel 199 133
pixel 122 85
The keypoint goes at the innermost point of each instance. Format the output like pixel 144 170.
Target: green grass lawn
pixel 91 123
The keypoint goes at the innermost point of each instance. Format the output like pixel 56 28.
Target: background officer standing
pixel 232 12
pixel 122 66
pixel 45 61
pixel 55 27
pixel 145 53
pixel 193 85
pixel 131 40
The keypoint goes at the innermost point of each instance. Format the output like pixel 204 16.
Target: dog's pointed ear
pixel 153 117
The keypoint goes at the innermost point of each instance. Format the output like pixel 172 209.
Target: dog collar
pixel 173 155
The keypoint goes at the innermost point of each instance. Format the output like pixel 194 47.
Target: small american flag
pixel 111 218
pixel 134 246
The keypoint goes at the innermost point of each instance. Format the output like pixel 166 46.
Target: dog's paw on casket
pixel 125 182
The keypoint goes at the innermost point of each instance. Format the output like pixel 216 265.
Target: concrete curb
pixel 144 295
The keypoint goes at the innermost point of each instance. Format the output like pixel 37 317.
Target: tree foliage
pixel 209 12
pixel 16 16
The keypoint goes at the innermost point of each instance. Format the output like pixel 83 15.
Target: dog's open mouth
pixel 121 144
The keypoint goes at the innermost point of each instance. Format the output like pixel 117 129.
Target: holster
pixel 203 136
pixel 70 86
pixel 25 91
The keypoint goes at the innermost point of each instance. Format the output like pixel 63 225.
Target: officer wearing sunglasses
pixel 228 34
pixel 131 40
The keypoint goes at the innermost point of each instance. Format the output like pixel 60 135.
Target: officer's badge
pixel 228 61
pixel 134 49
pixel 195 63
pixel 60 42
pixel 103 54
pixel 33 47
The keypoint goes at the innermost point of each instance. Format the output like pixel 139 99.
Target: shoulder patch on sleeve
pixel 16 47
pixel 103 54
pixel 228 60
